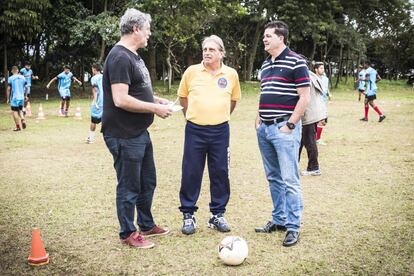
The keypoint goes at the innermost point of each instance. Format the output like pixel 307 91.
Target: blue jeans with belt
pixel 135 171
pixel 279 152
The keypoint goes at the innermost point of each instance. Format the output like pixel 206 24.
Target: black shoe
pixel 219 223
pixel 364 119
pixel 381 118
pixel 270 227
pixel 292 238
pixel 189 224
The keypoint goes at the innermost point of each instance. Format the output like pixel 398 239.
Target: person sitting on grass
pixel 16 95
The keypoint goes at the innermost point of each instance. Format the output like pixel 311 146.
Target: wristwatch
pixel 290 125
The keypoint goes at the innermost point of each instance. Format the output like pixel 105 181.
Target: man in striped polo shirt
pixel 284 96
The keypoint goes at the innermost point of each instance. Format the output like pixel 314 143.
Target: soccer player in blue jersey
pixel 16 94
pixel 371 79
pixel 97 103
pixel 64 83
pixel 360 81
pixel 28 74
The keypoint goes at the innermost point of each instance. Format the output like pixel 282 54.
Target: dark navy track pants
pixel 201 142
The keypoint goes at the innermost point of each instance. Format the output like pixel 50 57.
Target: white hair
pixel 131 18
pixel 218 41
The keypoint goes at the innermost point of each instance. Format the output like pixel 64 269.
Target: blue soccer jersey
pixel 371 80
pixel 361 82
pixel 27 73
pixel 96 81
pixel 17 85
pixel 325 87
pixel 65 80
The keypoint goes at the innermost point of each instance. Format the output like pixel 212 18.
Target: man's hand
pixel 80 83
pixel 285 129
pixel 47 86
pixel 163 111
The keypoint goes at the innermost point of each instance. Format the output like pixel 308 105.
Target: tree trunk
pixel 347 66
pixel 169 67
pixel 102 52
pixel 5 72
pixel 339 66
pixel 152 63
pixel 252 56
pixel 312 55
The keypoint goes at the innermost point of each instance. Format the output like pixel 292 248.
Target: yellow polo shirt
pixel 209 96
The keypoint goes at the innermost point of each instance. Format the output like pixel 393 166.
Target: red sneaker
pixel 137 240
pixel 155 231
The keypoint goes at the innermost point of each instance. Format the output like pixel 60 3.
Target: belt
pixel 277 120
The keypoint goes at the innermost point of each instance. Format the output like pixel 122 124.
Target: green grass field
pixel 358 216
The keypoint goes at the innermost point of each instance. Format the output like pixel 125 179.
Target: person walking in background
pixel 208 92
pixel 27 72
pixel 326 94
pixel 371 78
pixel 16 94
pixel 284 96
pixel 97 102
pixel 64 83
pixel 360 81
pixel 129 106
pixel 314 114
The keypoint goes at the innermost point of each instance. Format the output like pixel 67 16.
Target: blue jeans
pixel 280 159
pixel 135 171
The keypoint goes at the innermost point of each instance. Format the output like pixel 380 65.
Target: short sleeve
pixel 236 93
pixel 183 87
pixel 120 70
pixel 301 74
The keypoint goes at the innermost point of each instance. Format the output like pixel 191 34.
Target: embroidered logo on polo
pixel 222 82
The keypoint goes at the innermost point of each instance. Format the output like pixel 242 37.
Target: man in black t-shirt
pixel 128 110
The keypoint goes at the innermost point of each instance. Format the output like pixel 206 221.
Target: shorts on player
pixel 65 98
pixel 371 97
pixel 28 90
pixel 96 120
pixel 361 90
pixel 64 93
pixel 16 105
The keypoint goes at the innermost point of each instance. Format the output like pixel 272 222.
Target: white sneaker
pixel 312 173
pixel 89 141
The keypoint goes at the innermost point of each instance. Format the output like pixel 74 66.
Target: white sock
pixel 91 135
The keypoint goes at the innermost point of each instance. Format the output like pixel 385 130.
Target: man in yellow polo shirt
pixel 208 92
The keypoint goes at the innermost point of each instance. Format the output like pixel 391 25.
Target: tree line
pixel 342 33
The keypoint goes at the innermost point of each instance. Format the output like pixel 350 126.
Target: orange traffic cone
pixel 38 255
pixel 40 114
pixel 28 110
pixel 78 114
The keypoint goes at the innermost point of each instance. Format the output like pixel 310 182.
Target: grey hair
pixel 217 40
pixel 131 18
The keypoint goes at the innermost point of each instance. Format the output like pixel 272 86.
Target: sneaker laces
pixel 188 222
pixel 138 237
pixel 220 220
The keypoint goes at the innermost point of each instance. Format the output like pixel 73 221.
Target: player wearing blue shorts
pixel 64 83
pixel 371 79
pixel 16 94
pixel 97 103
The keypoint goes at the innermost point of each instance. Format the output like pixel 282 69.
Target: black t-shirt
pixel 123 66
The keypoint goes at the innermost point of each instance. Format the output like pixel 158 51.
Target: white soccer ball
pixel 233 250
